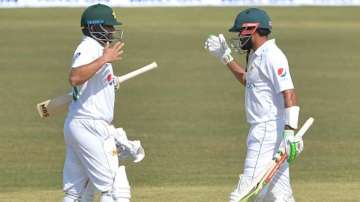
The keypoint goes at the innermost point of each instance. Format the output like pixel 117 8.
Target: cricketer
pixel 91 153
pixel 270 101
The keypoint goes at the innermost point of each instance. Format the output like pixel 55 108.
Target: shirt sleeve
pixel 278 73
pixel 83 56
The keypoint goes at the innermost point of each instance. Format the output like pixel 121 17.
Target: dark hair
pixel 263 31
pixel 85 31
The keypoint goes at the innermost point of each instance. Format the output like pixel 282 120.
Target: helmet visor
pixel 249 28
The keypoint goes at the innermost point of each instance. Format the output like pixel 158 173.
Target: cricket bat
pixel 266 177
pixel 60 104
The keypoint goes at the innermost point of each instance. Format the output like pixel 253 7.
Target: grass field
pixel 189 112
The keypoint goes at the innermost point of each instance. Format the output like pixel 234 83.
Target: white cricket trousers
pixel 91 156
pixel 263 142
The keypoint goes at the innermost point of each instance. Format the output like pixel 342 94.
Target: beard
pixel 246 43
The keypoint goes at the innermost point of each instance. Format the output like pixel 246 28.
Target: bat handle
pixel 305 127
pixel 279 162
pixel 137 72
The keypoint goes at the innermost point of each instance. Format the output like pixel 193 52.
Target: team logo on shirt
pixel 281 72
pixel 110 79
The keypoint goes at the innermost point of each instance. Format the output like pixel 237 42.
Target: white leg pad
pixel 106 197
pixel 121 187
pixel 277 195
pixel 279 199
pixel 69 197
pixel 89 193
pixel 122 200
pixel 242 184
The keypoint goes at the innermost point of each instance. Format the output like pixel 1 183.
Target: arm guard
pixel 292 116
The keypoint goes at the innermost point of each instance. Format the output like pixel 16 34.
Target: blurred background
pixel 189 112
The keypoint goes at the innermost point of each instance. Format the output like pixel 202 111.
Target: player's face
pixel 246 41
pixel 115 33
pixel 109 28
pixel 106 33
pixel 110 31
pixel 243 41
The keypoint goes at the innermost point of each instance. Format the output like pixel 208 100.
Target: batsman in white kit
pixel 270 102
pixel 92 143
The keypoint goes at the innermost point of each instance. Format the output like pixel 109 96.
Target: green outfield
pixel 189 112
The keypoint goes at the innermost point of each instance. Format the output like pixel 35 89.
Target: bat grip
pixel 278 164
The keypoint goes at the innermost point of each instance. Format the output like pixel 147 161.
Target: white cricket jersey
pixel 267 76
pixel 95 98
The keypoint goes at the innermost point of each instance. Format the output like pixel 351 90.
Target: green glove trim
pixel 292 155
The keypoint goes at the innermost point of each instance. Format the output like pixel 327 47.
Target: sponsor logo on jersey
pixel 281 72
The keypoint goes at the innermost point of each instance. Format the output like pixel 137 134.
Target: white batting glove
pixel 127 148
pixel 119 135
pixel 294 145
pixel 116 83
pixel 218 47
pixel 134 151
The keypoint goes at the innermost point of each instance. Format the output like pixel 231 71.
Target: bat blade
pixel 252 191
pixel 53 106
pixel 264 179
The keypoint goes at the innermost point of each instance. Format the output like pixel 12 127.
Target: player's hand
pixel 117 83
pixel 294 145
pixel 218 47
pixel 133 150
pixel 127 148
pixel 113 53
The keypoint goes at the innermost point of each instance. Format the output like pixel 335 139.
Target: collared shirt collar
pixel 263 46
pixel 93 40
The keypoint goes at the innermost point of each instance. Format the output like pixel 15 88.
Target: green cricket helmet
pixel 98 21
pixel 99 14
pixel 247 21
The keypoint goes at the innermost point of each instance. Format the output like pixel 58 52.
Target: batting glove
pixel 116 83
pixel 132 150
pixel 127 148
pixel 294 145
pixel 218 47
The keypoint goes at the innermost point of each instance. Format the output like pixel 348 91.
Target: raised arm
pixel 79 75
pixel 238 71
pixel 219 48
